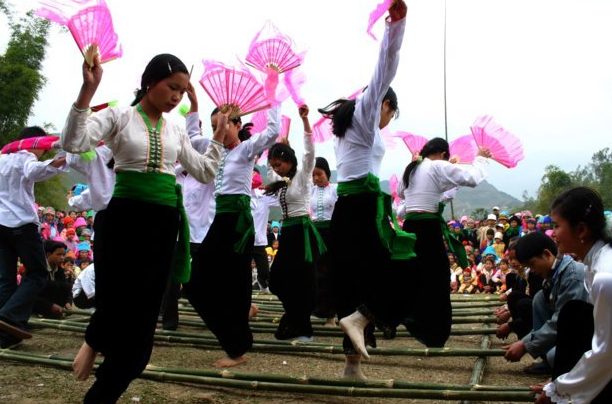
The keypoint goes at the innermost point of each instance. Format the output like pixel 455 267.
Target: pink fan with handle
pixel 275 53
pixel 464 149
pixel 38 142
pixel 91 27
pixel 414 142
pixel 505 147
pixel 233 89
pixel 270 48
pixel 375 15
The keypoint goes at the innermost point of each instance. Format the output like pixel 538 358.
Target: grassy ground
pixel 21 383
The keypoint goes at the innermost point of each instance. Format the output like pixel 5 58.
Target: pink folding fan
pixel 414 142
pixel 38 142
pixel 463 149
pixel 233 89
pixel 505 147
pixel 378 12
pixel 270 48
pixel 90 24
pixel 393 186
pixel 275 53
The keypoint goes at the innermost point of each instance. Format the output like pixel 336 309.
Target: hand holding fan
pixel 233 89
pixel 505 148
pixel 90 24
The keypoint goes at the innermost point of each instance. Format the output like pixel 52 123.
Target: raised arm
pixel 37 171
pixel 367 108
pixel 308 159
pixel 79 135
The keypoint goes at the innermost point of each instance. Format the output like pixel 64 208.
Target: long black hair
pixel 583 205
pixel 341 111
pixel 435 145
pixel 159 68
pixel 284 153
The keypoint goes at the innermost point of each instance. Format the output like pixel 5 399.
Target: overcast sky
pixel 542 68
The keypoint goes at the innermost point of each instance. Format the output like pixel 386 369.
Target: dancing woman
pixel 145 147
pixel 360 248
pixel 424 183
pixel 322 201
pixel 221 281
pixel 292 276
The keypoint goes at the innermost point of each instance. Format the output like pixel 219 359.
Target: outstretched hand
pixel 303 111
pixel 398 10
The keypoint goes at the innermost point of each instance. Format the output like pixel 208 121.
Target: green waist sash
pixel 160 189
pixel 240 204
pixel 309 229
pixel 454 244
pixel 399 243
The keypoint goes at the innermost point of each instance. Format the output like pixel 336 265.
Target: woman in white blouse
pixel 424 183
pixel 292 272
pixel 322 201
pixel 145 147
pixel 582 371
pixel 362 243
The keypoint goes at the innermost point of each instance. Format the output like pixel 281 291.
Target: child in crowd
pixel 498 244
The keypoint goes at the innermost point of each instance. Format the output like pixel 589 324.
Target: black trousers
pixel 292 279
pixel 324 298
pixel 83 302
pixel 22 242
pixel 429 307
pixel 169 306
pixel 263 268
pixel 128 292
pixel 520 307
pixel 221 284
pixel 575 329
pixel 361 269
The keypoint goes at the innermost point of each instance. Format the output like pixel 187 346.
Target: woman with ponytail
pixel 582 371
pixel 425 181
pixel 145 147
pixel 360 222
pixel 292 276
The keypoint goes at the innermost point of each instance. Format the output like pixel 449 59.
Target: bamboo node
pixel 227 373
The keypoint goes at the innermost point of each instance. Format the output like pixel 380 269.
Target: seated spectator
pixel 84 288
pixel 55 295
pixel 563 281
pixel 468 281
pixel 498 244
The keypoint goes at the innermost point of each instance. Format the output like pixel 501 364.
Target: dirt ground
pixel 21 383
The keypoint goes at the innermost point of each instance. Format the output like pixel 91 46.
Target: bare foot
pixel 83 362
pixel 253 310
pixel 352 368
pixel 353 326
pixel 227 362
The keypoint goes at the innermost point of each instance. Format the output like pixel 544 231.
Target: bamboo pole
pixel 284 346
pixel 352 391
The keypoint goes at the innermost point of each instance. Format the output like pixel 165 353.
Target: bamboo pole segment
pixel 284 346
pixel 381 388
